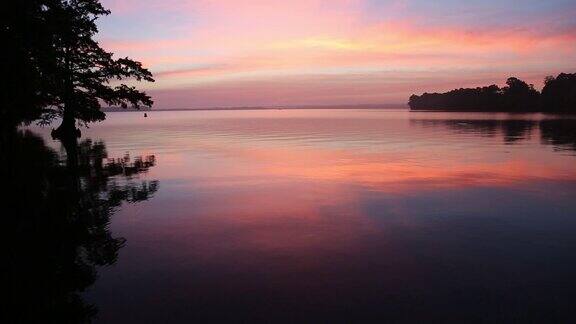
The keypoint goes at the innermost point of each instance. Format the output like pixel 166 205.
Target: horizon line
pixel 267 107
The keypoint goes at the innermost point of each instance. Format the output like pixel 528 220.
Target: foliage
pixel 558 95
pixel 28 51
pixel 60 70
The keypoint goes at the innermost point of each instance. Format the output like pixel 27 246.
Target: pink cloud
pixel 235 49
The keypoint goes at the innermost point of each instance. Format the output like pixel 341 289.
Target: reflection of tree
pixel 516 130
pixel 561 133
pixel 56 220
pixel 479 127
pixel 512 130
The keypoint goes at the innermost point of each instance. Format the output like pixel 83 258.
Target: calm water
pixel 340 215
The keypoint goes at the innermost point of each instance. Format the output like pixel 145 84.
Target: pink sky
pixel 257 53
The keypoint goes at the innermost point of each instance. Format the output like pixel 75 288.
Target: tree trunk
pixel 67 129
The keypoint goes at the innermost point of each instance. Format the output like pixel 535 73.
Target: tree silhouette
pixel 558 96
pixel 520 96
pixel 56 218
pixel 85 69
pixel 489 98
pixel 57 69
pixel 29 55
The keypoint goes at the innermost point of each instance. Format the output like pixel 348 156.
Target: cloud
pixel 337 88
pixel 210 44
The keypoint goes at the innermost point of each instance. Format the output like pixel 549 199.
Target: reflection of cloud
pixel 373 172
pixel 381 172
pixel 256 191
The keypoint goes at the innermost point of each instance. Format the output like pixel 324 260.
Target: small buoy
pixel 145 115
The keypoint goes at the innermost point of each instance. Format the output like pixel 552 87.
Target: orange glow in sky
pixel 254 53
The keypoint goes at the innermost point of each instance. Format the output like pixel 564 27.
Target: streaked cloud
pixel 239 50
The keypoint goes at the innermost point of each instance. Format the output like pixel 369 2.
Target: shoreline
pixel 340 107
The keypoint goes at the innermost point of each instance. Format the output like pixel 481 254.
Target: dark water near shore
pixel 341 215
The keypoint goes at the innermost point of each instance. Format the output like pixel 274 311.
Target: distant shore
pixel 327 107
pixel 558 97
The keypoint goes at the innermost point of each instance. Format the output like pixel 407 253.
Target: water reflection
pixel 56 221
pixel 561 133
pixel 343 216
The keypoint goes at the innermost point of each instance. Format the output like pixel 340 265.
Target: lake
pixel 336 215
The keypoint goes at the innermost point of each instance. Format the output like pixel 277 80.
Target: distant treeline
pixel 557 96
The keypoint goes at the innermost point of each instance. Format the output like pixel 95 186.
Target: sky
pixel 224 53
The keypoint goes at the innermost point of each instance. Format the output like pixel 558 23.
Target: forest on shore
pixel 557 96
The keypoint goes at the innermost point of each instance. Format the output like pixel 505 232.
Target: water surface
pixel 343 214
